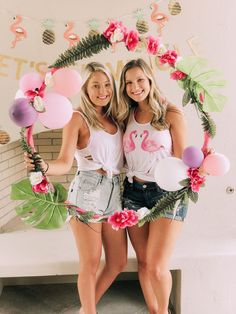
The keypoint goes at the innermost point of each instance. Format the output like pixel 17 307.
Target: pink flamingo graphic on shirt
pixel 129 144
pixel 147 144
pixel 20 32
pixel 71 37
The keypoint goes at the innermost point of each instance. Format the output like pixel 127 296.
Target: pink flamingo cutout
pixel 149 145
pixel 159 18
pixel 71 37
pixel 20 32
pixel 129 144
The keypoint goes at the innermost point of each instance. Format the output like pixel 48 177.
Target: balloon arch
pixel 45 204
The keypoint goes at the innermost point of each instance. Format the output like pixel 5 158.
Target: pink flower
pixel 196 180
pixel 169 57
pixel 177 75
pixel 42 187
pixel 201 98
pixel 123 219
pixel 115 32
pixel 131 40
pixel 152 45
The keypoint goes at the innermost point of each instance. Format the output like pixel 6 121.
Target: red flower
pixel 123 219
pixel 42 187
pixel 152 45
pixel 169 57
pixel 177 75
pixel 196 180
pixel 131 40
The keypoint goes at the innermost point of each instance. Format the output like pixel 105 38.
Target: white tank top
pixel 104 151
pixel 143 147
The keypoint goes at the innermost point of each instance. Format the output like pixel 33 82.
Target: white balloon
pixel 169 172
pixel 19 94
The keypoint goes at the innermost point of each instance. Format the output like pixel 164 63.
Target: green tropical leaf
pixel 193 196
pixel 202 81
pixel 42 211
pixel 186 98
pixel 87 47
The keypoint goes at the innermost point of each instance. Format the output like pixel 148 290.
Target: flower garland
pixel 199 85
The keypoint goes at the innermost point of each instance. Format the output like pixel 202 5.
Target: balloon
pixel 66 82
pixel 30 81
pixel 20 94
pixel 22 113
pixel 169 172
pixel 58 111
pixel 216 164
pixel 193 157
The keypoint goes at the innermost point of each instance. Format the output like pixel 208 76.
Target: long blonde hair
pixel 87 107
pixel 156 101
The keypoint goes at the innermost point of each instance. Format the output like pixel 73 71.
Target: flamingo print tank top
pixel 143 147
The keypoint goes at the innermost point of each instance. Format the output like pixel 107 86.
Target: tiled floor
pixel 123 297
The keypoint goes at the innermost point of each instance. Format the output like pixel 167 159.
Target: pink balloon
pixel 216 164
pixel 66 82
pixel 30 81
pixel 58 111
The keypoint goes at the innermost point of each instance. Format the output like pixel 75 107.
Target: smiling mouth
pixel 102 97
pixel 137 93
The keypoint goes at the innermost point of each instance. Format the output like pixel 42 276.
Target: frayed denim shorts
pixel 137 195
pixel 92 191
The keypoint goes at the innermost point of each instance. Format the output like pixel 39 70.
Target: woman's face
pixel 137 84
pixel 99 89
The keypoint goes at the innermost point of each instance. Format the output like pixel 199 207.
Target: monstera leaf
pixel 40 210
pixel 201 81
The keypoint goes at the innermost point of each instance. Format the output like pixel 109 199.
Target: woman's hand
pixel 30 163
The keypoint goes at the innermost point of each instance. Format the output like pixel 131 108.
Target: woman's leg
pixel 139 239
pixel 115 248
pixel 89 244
pixel 163 234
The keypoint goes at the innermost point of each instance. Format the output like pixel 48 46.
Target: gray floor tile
pixel 123 297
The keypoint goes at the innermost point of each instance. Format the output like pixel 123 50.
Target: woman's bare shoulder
pixel 173 112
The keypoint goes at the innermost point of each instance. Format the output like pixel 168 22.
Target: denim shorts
pixel 92 191
pixel 137 195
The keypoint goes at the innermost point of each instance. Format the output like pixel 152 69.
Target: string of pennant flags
pixel 142 17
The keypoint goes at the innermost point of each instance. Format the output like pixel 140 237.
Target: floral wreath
pixel 45 204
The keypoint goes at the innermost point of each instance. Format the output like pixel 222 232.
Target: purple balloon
pixel 193 157
pixel 22 113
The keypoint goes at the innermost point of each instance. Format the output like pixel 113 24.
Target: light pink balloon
pixel 67 82
pixel 58 111
pixel 30 81
pixel 216 164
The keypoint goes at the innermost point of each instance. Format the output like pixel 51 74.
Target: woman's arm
pixel 178 129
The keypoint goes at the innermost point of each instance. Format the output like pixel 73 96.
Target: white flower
pixel 117 36
pixel 49 79
pixel 38 104
pixel 36 177
pixel 142 212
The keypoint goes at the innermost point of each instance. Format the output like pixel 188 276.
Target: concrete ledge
pixel 207 265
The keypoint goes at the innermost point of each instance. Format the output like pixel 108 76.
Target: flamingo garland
pixel 159 18
pixel 19 32
pixel 71 37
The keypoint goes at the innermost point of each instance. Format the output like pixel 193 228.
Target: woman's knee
pixel 157 271
pixel 89 265
pixel 117 265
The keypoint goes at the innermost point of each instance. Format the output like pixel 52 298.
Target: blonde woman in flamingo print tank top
pixel 155 129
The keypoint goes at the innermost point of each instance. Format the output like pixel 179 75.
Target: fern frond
pixel 87 47
pixel 208 124
pixel 166 203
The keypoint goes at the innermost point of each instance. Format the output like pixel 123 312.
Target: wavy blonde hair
pixel 156 100
pixel 87 107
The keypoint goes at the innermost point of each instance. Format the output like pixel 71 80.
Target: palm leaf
pixel 202 81
pixel 42 211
